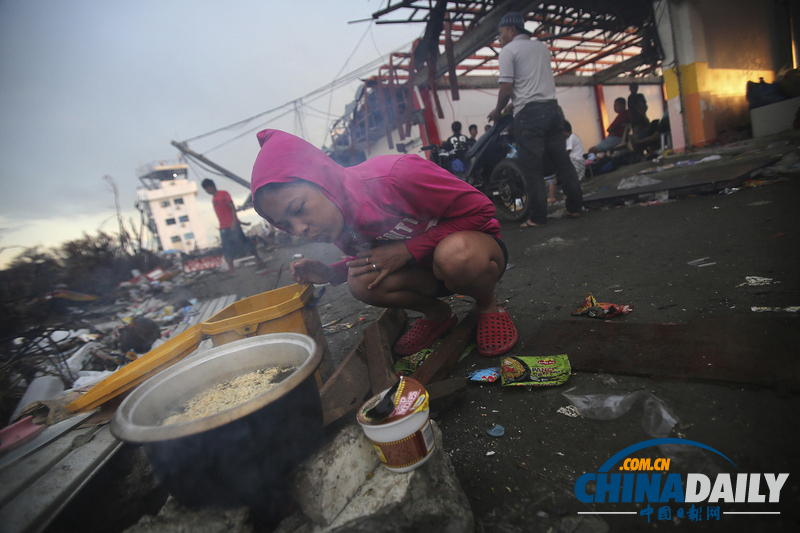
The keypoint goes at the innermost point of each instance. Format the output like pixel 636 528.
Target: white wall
pixel 578 104
pixel 169 191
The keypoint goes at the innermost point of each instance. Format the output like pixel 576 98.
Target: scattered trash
pixel 659 197
pixel 700 262
pixel 569 410
pixel 509 266
pixel 633 182
pixel 594 309
pixel 607 379
pixel 408 364
pixel 490 453
pixel 756 281
pixel 657 420
pixel 554 241
pixel 335 327
pixel 496 431
pixel 487 375
pixel 793 309
pixel 545 371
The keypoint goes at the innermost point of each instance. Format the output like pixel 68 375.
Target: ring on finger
pixel 374 266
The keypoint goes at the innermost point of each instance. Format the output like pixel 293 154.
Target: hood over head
pixel 285 158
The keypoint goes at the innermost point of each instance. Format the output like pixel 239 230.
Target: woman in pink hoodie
pixel 414 233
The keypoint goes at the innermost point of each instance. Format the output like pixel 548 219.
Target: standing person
pixel 413 232
pixel 526 80
pixel 230 228
pixel 635 97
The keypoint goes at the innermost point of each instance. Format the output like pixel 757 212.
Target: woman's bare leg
pixel 409 288
pixel 470 263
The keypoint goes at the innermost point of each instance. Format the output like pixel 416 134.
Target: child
pixel 414 232
pixel 575 151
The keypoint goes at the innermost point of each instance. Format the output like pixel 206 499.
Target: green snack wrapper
pixel 544 371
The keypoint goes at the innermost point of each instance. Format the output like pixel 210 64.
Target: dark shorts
pixel 234 242
pixel 444 291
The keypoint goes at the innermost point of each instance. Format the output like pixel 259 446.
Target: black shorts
pixel 444 291
pixel 234 242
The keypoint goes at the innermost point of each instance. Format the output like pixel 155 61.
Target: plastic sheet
pixel 657 420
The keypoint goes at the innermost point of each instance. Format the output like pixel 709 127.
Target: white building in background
pixel 168 203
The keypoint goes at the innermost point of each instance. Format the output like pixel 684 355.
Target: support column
pixel 599 100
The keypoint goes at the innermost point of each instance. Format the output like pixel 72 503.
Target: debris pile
pixel 99 337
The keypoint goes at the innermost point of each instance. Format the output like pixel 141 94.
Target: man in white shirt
pixel 526 80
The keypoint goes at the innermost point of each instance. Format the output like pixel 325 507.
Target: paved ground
pixel 638 255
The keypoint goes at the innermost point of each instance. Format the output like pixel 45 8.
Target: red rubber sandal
pixel 496 333
pixel 423 334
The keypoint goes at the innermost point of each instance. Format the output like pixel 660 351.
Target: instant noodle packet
pixel 488 375
pixel 544 371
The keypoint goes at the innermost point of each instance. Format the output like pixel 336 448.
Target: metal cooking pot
pixel 240 456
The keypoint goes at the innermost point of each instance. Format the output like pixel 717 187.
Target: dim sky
pixel 91 88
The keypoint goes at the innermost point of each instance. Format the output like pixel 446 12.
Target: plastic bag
pixel 594 309
pixel 657 420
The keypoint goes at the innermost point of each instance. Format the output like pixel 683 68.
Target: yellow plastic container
pixel 285 310
pixel 140 370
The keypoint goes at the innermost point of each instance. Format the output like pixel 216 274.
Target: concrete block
pixel 326 482
pixel 429 498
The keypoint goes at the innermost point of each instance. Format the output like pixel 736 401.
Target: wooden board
pixel 753 350
pixel 349 385
pixel 439 363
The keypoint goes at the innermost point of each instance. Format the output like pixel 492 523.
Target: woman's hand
pixel 384 260
pixel 307 271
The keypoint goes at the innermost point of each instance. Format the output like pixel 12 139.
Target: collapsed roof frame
pixel 591 41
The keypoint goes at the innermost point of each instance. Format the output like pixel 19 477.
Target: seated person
pixel 646 134
pixel 575 150
pixel 615 130
pixel 473 135
pixel 457 142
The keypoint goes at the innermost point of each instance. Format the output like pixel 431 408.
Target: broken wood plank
pixel 444 358
pixel 753 350
pixel 442 393
pixel 349 385
pixel 379 358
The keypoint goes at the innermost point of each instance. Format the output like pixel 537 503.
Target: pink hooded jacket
pixel 387 198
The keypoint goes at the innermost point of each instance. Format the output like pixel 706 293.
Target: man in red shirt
pixel 230 228
pixel 616 129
